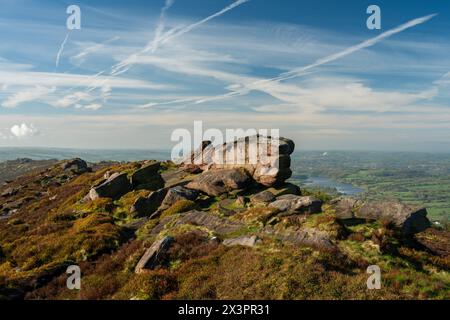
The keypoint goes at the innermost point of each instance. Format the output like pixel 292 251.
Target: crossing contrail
pixel 61 49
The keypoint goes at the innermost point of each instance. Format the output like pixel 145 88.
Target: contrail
pixel 61 49
pixel 174 33
pixel 161 24
pixel 301 71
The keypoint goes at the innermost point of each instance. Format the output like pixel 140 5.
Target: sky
pixel 137 70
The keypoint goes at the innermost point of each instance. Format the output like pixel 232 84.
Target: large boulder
pixel 114 187
pixel 266 159
pixel 297 204
pixel 176 194
pixel 146 206
pixel 152 257
pixel 148 177
pixel 217 182
pixel 408 219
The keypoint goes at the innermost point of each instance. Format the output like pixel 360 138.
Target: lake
pixel 344 188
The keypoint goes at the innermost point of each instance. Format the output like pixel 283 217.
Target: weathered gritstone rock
pixel 116 186
pixel 267 161
pixel 146 206
pixel 245 241
pixel 306 237
pixel 9 192
pixel 148 177
pixel 217 182
pixel 296 204
pixel 210 221
pixel 176 194
pixel 152 256
pixel 408 219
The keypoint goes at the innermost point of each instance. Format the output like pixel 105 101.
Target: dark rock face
pixel 146 206
pixel 406 218
pixel 176 194
pixel 148 177
pixel 152 256
pixel 269 168
pixel 263 197
pixel 77 165
pixel 114 187
pixel 217 182
pixel 297 204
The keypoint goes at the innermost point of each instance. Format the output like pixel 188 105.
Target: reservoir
pixel 344 188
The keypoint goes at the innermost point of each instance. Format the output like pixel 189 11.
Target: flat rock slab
pixel 210 221
pixel 245 241
pixel 305 237
pixel 408 219
pixel 151 257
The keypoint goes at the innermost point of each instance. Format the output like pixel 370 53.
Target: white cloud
pixel 26 96
pixel 24 130
pixel 93 106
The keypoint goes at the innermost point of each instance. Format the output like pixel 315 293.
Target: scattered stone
pixel 245 241
pixel 263 197
pixel 152 257
pixel 176 194
pixel 297 204
pixel 217 182
pixel 408 219
pixel 116 186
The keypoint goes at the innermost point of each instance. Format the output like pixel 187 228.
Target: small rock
pixel 245 241
pixel 152 256
pixel 297 204
pixel 116 186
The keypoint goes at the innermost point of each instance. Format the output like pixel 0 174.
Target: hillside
pixel 156 230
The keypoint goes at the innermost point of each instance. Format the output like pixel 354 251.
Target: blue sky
pixel 135 72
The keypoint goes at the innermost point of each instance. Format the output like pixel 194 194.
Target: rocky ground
pixel 156 230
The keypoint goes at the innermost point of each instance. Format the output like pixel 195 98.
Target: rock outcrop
pixel 267 160
pixel 297 204
pixel 263 197
pixel 406 218
pixel 146 206
pixel 152 256
pixel 76 165
pixel 217 182
pixel 114 187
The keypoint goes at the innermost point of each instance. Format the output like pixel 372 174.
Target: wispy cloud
pixel 27 95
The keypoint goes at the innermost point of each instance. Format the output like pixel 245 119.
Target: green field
pixel 415 178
